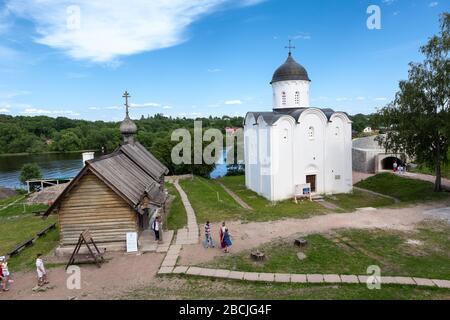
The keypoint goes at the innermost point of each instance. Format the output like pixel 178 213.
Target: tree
pixel 30 171
pixel 67 141
pixel 418 120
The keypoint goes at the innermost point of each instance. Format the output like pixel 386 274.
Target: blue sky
pixel 202 57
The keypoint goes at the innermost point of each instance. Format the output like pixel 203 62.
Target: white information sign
pixel 303 191
pixel 132 242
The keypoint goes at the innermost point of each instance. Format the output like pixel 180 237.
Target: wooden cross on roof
pixel 290 46
pixel 126 95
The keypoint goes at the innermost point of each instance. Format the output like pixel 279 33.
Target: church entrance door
pixel 312 180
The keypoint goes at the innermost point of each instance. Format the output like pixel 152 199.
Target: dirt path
pixel 120 274
pixel 251 235
pixel 125 273
pixel 427 177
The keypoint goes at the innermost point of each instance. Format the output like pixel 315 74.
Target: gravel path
pixel 123 273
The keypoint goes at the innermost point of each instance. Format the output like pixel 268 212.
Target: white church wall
pixel 338 155
pixel 252 171
pixel 264 159
pixel 283 158
pixel 310 147
pixel 289 88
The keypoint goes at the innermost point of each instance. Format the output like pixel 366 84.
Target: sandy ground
pixel 48 195
pixel 360 176
pixel 120 274
pixel 6 193
pixel 124 273
pixel 251 235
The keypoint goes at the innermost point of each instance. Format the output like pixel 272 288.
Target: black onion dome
pixel 128 126
pixel 290 70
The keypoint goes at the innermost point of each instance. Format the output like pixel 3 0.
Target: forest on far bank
pixel 39 134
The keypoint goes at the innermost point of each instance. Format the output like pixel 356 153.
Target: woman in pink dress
pixel 221 234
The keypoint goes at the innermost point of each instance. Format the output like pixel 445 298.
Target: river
pixel 56 165
pixel 53 165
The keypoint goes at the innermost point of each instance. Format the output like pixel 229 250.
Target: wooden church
pixel 113 194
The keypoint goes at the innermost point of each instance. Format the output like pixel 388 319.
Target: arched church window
pixel 311 133
pixel 297 97
pixel 283 98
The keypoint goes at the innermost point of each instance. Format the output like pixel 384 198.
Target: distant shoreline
pixel 40 153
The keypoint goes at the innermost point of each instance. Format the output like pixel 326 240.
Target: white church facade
pixel 296 144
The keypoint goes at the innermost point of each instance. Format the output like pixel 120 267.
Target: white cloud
pixel 214 70
pixel 233 102
pixel 360 98
pixel 144 105
pixel 302 36
pixel 342 99
pixel 13 94
pixel 36 111
pixel 381 99
pixel 106 30
pixel 8 53
pixel 114 108
pixel 433 4
pixel 167 107
pixel 4 110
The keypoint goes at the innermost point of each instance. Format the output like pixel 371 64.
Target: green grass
pixel 17 226
pixel 323 256
pixel 177 217
pixel 404 189
pixel 211 202
pixel 195 288
pixel 359 199
pixel 354 252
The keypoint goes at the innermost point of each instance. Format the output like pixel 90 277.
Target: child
pixel 40 269
pixel 5 273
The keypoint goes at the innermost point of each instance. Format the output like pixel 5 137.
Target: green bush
pixel 30 171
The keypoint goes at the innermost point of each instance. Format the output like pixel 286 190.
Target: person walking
pixel 395 166
pixel 227 241
pixel 221 235
pixel 157 228
pixel 40 269
pixel 4 273
pixel 208 243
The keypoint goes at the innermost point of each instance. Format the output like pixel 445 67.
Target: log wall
pixel 92 205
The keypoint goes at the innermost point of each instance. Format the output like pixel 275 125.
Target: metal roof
pixel 290 70
pixel 272 117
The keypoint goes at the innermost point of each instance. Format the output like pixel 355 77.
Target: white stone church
pixel 296 144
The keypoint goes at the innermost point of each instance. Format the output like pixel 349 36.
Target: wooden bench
pixel 39 213
pixel 47 229
pixel 20 246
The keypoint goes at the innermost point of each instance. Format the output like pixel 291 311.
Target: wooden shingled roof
pixel 130 171
pixel 145 160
